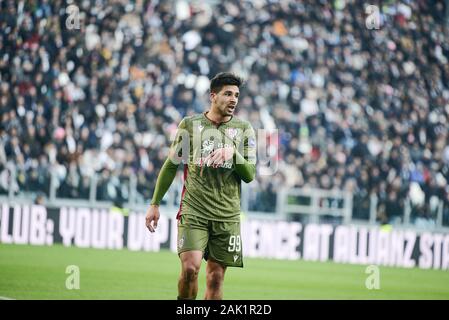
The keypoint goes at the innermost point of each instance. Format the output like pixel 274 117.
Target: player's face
pixel 226 100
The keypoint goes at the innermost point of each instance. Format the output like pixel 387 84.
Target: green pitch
pixel 30 272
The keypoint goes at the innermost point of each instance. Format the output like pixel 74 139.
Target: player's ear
pixel 212 96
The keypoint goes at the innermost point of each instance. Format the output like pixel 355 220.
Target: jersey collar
pixel 217 124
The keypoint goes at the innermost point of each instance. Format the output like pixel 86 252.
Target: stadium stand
pixel 359 110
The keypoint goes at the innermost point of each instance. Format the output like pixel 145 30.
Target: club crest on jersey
pixel 231 132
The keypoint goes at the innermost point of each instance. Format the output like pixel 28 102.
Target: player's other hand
pixel 219 156
pixel 152 217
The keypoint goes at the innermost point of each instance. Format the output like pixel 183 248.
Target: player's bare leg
pixel 215 273
pixel 188 280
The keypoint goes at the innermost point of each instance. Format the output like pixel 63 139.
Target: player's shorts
pixel 219 241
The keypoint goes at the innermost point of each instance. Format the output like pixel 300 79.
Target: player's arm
pixel 245 164
pixel 245 161
pixel 178 152
pixel 164 181
pixel 244 168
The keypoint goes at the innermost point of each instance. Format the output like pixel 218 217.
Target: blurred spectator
pixel 40 199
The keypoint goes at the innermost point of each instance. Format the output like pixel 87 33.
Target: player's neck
pixel 216 117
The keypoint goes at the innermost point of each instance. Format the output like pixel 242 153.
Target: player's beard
pixel 225 108
pixel 228 110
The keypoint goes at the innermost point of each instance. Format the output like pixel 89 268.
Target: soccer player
pixel 218 152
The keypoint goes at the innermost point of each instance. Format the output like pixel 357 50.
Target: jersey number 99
pixel 234 244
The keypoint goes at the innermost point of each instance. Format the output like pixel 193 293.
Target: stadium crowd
pixel 102 90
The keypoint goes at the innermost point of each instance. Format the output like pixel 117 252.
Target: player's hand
pixel 219 156
pixel 152 217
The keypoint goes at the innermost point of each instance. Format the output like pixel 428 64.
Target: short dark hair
pixel 224 79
